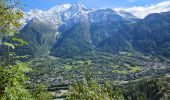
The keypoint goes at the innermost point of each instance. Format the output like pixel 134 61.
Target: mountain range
pixel 74 30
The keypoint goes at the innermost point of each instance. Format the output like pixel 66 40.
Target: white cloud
pixel 142 11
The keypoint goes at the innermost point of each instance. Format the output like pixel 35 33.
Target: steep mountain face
pixel 118 42
pixel 74 41
pixel 150 35
pixel 104 23
pixel 39 35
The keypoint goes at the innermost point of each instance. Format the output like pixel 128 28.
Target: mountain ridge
pixel 78 30
pixel 58 13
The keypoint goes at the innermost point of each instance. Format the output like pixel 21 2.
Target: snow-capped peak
pixel 59 8
pixel 79 6
pixel 57 14
pixel 66 7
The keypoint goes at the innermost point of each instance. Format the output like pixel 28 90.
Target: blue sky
pixel 46 4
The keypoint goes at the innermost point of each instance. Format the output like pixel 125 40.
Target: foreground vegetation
pixel 13 78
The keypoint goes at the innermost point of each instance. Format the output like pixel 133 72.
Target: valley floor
pixel 104 67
